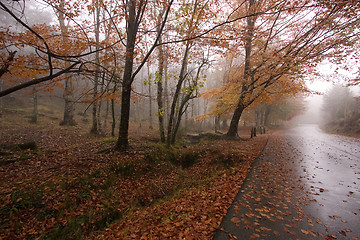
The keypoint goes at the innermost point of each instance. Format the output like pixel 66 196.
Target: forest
pixel 113 114
pixel 341 111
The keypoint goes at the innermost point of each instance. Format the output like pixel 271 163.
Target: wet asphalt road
pixel 305 185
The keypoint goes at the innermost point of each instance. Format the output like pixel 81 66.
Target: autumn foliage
pixel 152 192
pixel 109 59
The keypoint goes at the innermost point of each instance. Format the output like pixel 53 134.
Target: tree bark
pixel 1 100
pixel 100 103
pixel 182 109
pixel 34 117
pixel 150 100
pixel 95 121
pixel 258 113
pixel 182 75
pixel 184 104
pixel 133 21
pixel 217 123
pixel 68 119
pixel 113 124
pixel 69 109
pixel 150 109
pixel 106 113
pixel 166 92
pixel 234 124
pixel 122 143
pixel 161 110
pixel 233 129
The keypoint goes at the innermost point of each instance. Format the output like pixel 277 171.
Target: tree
pixel 341 111
pixel 248 74
pixel 274 46
pixel 95 129
pixel 288 44
pixel 41 46
pixel 68 89
pixel 160 82
pixel 184 93
pixel 5 68
pixel 338 104
pixel 135 12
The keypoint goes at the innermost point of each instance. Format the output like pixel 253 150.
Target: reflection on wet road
pixel 305 185
pixel 330 166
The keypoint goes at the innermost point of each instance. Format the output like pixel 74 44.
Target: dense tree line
pixel 264 50
pixel 341 110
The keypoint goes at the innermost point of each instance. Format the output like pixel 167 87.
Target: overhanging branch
pixel 36 81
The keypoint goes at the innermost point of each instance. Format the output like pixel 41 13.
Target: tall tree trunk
pixel 69 109
pixel 1 99
pixel 182 109
pixel 262 121
pixel 161 109
pixel 217 123
pixel 133 21
pixel 185 122
pixel 258 116
pixel 184 104
pixel 234 124
pixel 122 143
pixel 113 123
pixel 98 115
pixel 166 92
pixel 224 124
pixel 171 126
pixel 233 129
pixel 95 125
pixel 266 115
pixel 150 100
pixel 106 116
pixel 34 117
pixel 100 103
pixel 107 28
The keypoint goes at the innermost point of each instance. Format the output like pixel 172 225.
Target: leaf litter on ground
pixel 64 188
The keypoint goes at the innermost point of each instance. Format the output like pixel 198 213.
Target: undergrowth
pixel 152 176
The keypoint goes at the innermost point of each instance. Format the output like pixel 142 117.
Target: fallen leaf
pixel 265 229
pixel 255 235
pixel 235 220
pixel 305 231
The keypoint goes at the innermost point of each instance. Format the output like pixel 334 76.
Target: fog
pixel 314 103
pixel 312 114
pixel 33 13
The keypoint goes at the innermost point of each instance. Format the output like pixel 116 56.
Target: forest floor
pixel 62 188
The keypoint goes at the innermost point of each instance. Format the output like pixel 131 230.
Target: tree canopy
pixel 270 49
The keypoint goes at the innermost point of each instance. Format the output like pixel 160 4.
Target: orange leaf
pixel 304 231
pixel 255 235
